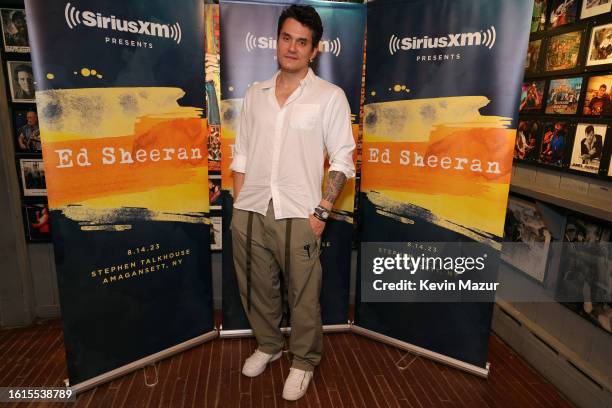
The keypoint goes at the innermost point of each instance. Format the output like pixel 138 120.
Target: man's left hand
pixel 317 226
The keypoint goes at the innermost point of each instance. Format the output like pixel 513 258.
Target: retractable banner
pixel 442 92
pixel 120 96
pixel 248 55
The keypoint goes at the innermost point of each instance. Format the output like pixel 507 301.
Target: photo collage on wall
pixel 24 124
pixel 565 107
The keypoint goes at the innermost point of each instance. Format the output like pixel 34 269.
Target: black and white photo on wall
pixel 14 30
pixel 26 131
pixel 36 219
pixel 588 147
pixel 526 238
pixel 586 269
pixel 600 46
pixel 592 8
pixel 21 81
pixel 32 177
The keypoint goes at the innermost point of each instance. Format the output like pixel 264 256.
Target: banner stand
pixel 419 351
pixel 327 328
pixel 143 362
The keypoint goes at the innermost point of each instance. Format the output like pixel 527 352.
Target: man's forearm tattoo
pixel 335 184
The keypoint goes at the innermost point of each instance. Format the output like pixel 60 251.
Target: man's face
pixel 590 135
pixel 601 92
pixel 32 118
pixel 25 81
pixel 20 25
pixel 294 48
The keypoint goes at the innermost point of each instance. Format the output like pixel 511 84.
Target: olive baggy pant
pixel 263 247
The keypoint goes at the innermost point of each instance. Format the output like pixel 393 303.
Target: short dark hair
pixel 23 67
pixel 604 86
pixel 589 129
pixel 17 15
pixel 305 15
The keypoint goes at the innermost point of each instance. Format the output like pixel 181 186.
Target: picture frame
pixel 528 140
pixel 532 96
pixel 563 52
pixel 14 30
pixel 555 139
pixel 21 81
pixel 599 51
pixel 597 99
pixel 32 177
pixel 533 57
pixel 562 12
pixel 216 233
pixel 563 96
pixel 588 146
pixel 527 240
pixel 538 17
pixel 592 8
pixel 26 131
pixel 214 191
pixel 37 223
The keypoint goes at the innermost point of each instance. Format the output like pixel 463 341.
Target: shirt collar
pixel 308 79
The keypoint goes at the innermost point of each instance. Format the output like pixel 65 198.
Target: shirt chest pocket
pixel 304 116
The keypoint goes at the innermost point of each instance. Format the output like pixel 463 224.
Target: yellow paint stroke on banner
pixel 441 156
pixel 110 148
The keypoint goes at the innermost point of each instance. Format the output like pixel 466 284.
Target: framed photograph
pixel 562 51
pixel 21 80
pixel 554 143
pixel 216 242
pixel 592 8
pixel 27 133
pixel 526 239
pixel 563 12
pixel 588 147
pixel 563 95
pixel 533 56
pixel 597 100
pixel 36 218
pixel 532 96
pixel 528 139
pixel 600 46
pixel 214 191
pixel 14 30
pixel 585 271
pixel 538 18
pixel 32 177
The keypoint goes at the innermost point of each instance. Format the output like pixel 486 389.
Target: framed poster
pixel 588 147
pixel 554 142
pixel 532 96
pixel 563 12
pixel 562 51
pixel 597 100
pixel 528 139
pixel 600 46
pixel 14 30
pixel 538 18
pixel 526 238
pixel 36 219
pixel 563 95
pixel 216 238
pixel 32 177
pixel 592 8
pixel 584 278
pixel 26 131
pixel 533 56
pixel 214 191
pixel 21 81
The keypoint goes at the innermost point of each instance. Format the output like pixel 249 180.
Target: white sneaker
pixel 256 363
pixel 296 384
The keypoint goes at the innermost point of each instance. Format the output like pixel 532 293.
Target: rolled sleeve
pixel 339 140
pixel 239 162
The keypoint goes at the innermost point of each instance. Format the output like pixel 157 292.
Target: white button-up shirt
pixel 282 150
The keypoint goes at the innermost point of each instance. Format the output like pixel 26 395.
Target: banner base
pixel 153 358
pixel 469 368
pixel 327 328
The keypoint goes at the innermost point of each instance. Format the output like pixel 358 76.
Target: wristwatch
pixel 321 213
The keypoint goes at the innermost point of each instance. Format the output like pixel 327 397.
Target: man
pixel 590 146
pixel 20 37
pixel 287 126
pixel 25 82
pixel 29 134
pixel 600 104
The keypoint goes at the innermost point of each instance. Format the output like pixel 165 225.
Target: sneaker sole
pixel 273 359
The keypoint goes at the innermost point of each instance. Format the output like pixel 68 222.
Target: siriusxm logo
pixel 269 43
pixel 92 19
pixel 484 38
